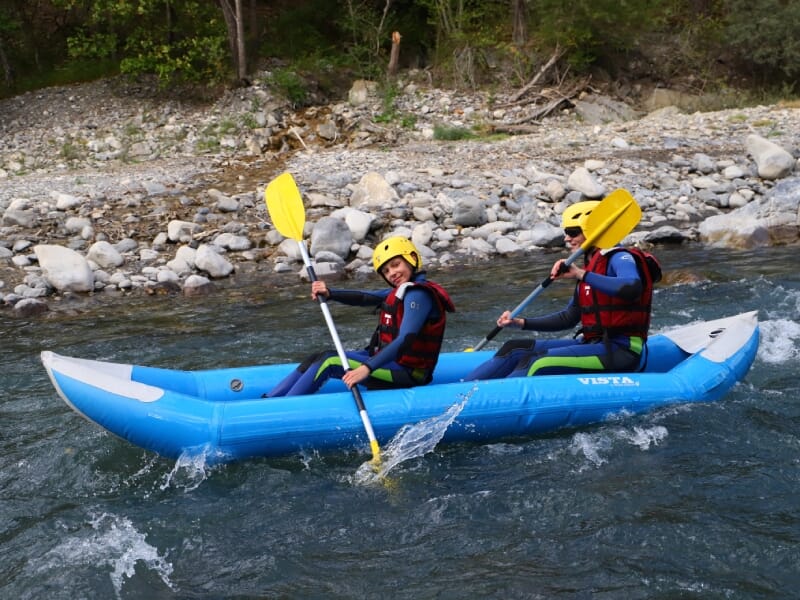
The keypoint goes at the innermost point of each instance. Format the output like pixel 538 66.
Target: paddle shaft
pixel 528 299
pixel 362 410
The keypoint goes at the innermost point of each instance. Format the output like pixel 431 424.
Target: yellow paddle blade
pixel 611 220
pixel 285 206
pixel 376 453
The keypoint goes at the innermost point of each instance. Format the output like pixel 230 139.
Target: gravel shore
pixel 101 162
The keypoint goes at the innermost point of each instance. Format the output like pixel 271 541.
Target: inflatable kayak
pixel 221 412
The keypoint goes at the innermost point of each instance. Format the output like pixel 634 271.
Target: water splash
pixel 644 437
pixel 780 341
pixel 592 445
pixel 411 441
pixel 190 470
pixel 113 542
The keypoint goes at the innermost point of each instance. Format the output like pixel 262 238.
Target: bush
pixel 764 34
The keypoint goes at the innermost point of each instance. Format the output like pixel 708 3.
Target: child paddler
pixel 612 304
pixel 405 347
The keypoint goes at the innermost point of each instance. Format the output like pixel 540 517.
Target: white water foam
pixel 780 341
pixel 113 541
pixel 593 445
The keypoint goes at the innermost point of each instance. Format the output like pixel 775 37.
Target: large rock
pixel 581 180
pixel 373 191
pixel 105 255
pixel 774 219
pixel 773 162
pixel 358 221
pixel 209 259
pixel 361 91
pixel 469 212
pixel 331 235
pixel 64 269
pixel 598 110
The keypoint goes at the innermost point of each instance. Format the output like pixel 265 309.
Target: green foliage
pixel 182 40
pixel 97 45
pixel 248 121
pixel 8 24
pixel 450 133
pixel 586 28
pixel 196 60
pixel 408 121
pixel 290 85
pixel 459 42
pixel 389 93
pixel 765 34
pixel 466 33
pixel 69 151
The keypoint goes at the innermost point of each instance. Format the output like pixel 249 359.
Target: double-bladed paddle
pixel 609 222
pixel 285 207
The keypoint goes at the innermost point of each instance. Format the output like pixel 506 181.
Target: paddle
pixel 609 222
pixel 285 207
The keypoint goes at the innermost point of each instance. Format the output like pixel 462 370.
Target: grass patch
pixel 446 133
pixel 740 118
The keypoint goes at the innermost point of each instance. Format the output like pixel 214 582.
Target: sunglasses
pixel 572 231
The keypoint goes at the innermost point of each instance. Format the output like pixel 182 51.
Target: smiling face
pixel 396 271
pixel 573 237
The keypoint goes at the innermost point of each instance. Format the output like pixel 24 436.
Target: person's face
pixel 573 237
pixel 397 271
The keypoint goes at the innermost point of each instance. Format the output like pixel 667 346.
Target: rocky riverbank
pixel 105 190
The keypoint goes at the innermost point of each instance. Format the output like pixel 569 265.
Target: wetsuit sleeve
pixel 557 321
pixel 622 281
pixel 358 297
pixel 418 306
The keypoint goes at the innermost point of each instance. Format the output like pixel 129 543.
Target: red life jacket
pixel 602 314
pixel 420 351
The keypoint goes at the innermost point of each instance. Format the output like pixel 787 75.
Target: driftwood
pixel 530 121
pixel 526 88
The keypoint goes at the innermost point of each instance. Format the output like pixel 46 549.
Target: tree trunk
pixel 241 60
pixel 519 22
pixel 7 72
pixel 394 56
pixel 234 22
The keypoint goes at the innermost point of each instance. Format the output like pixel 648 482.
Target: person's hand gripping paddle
pixel 609 222
pixel 285 207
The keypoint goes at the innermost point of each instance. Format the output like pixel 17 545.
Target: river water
pixel 696 501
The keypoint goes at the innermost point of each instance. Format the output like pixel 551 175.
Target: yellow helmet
pixel 576 214
pixel 395 246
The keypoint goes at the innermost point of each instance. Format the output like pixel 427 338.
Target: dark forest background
pixel 696 46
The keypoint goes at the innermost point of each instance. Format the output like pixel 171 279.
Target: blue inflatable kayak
pixel 221 414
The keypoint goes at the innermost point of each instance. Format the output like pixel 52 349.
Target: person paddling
pixel 611 302
pixel 405 346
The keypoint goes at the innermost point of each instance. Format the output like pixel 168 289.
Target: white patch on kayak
pixel 110 377
pixel 718 339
